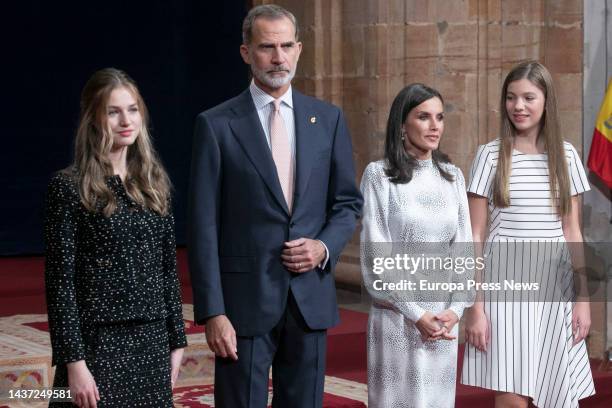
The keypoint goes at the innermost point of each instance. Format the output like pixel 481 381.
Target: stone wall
pixel 359 54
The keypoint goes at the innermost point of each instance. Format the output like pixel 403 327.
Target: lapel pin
pixel 313 119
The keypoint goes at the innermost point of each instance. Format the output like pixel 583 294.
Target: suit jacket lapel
pixel 306 136
pixel 249 133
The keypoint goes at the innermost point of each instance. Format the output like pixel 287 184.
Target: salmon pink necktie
pixel 281 152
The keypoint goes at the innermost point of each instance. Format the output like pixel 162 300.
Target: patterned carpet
pixel 25 351
pixel 25 363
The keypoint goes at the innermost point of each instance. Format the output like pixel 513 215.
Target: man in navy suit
pixel 273 201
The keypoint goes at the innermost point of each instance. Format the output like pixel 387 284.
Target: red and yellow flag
pixel 600 156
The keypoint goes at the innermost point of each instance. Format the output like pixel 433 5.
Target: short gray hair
pixel 269 11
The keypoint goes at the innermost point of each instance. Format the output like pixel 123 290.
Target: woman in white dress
pixel 413 199
pixel 528 345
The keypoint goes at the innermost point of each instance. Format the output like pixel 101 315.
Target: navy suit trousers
pixel 297 357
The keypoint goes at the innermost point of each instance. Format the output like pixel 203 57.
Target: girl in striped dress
pixel 524 203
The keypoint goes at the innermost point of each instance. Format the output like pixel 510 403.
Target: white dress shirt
pixel 263 104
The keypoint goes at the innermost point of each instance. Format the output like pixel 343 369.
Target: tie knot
pixel 276 104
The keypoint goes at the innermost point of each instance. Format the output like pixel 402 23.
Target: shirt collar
pixel 261 98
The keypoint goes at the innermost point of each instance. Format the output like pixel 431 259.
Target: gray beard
pixel 269 80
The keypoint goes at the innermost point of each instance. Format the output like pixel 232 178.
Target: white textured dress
pixel 530 350
pixel 403 369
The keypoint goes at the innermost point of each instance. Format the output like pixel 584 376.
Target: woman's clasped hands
pixel 437 327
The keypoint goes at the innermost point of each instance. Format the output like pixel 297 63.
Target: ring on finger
pixel 300 265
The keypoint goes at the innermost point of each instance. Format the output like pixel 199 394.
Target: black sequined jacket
pixel 101 270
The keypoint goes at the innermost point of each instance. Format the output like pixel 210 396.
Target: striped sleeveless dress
pixel 530 350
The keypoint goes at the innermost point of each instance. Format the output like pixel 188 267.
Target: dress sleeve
pixel 482 172
pixel 377 244
pixel 172 291
pixel 578 178
pixel 462 248
pixel 60 231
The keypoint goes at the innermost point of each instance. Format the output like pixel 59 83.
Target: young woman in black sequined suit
pixel 113 295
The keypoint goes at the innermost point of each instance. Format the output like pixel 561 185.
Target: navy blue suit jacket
pixel 239 220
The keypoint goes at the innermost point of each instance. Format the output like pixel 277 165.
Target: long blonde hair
pixel 550 131
pixel 146 183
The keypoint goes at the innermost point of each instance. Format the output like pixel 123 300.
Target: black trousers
pixel 297 357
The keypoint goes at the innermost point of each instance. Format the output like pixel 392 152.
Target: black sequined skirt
pixel 130 364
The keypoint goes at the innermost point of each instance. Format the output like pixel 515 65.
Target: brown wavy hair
pixel 146 183
pixel 550 133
